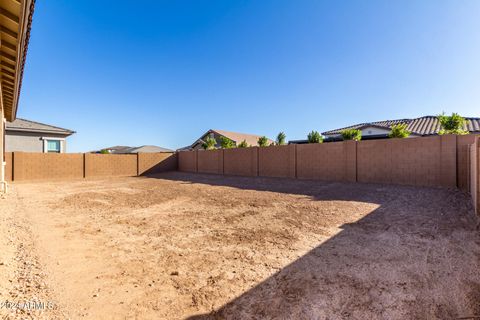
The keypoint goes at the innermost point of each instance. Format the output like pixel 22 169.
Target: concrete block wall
pixel 429 161
pixel 474 171
pixel 151 163
pixel 327 161
pixel 100 165
pixel 350 154
pixel 463 160
pixel 448 161
pixel 46 166
pixel 241 161
pixel 8 168
pixel 24 166
pixel 210 161
pixel 278 161
pixel 187 161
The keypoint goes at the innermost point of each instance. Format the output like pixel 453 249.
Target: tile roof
pixel 427 125
pixel 117 149
pixel 141 149
pixel 33 126
pixel 237 137
pixel 148 149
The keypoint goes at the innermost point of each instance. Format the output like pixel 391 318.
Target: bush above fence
pixel 428 161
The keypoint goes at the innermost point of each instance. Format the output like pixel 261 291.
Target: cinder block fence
pixel 23 166
pixel 445 161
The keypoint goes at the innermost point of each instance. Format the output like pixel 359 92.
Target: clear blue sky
pixel 164 72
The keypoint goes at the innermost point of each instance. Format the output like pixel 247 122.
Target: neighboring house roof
pixel 117 149
pixel 141 149
pixel 423 126
pixel 148 149
pixel 236 137
pixel 24 125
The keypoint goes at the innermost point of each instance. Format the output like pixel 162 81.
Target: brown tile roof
pixel 423 126
pixel 140 149
pixel 237 137
pixel 33 126
pixel 117 149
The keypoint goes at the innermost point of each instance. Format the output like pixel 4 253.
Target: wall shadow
pixel 416 256
pixel 168 164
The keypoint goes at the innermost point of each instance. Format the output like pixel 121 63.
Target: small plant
pixel 314 137
pixel 281 139
pixel 209 143
pixel 262 141
pixel 399 131
pixel 243 144
pixel 226 143
pixel 453 124
pixel 352 134
pixel 104 151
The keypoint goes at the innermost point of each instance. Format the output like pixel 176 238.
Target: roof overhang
pixel 57 132
pixel 15 24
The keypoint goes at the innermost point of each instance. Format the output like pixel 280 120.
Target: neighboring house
pixel 419 127
pixel 31 136
pixel 236 137
pixel 141 149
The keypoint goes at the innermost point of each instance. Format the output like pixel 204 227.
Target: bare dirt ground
pixel 180 246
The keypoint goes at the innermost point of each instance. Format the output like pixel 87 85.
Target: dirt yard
pixel 179 246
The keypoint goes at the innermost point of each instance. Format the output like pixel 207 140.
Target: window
pixel 53 146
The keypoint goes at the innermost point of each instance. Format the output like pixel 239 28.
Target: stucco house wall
pixel 31 142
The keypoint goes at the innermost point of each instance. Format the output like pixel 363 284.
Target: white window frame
pixel 45 143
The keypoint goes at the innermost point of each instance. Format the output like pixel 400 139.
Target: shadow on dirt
pixel 416 256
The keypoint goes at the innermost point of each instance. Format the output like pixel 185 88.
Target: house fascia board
pixel 64 133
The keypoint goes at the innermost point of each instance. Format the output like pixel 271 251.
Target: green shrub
pixel 243 144
pixel 262 141
pixel 453 124
pixel 209 144
pixel 352 134
pixel 226 143
pixel 104 151
pixel 314 137
pixel 281 137
pixel 399 131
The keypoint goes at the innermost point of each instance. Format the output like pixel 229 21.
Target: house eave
pixel 62 133
pixel 15 21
